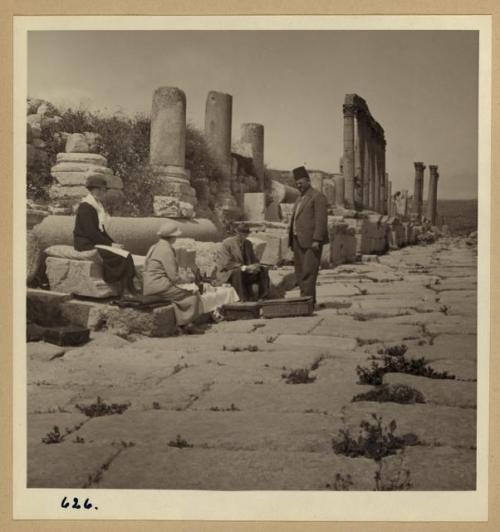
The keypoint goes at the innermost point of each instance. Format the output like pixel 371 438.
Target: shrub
pixel 179 442
pixel 395 393
pixel 298 376
pixel 53 436
pixel 125 143
pixel 100 408
pixel 375 441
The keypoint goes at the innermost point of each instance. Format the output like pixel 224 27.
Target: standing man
pixel 308 232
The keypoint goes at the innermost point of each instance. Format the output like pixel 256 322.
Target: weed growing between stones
pixel 394 350
pixel 444 309
pixel 317 362
pixel 178 367
pixel 271 339
pixel 235 349
pixel 359 317
pixel 397 363
pixel 232 408
pixel 298 376
pixel 394 393
pixel 100 408
pixel 372 375
pixel 179 442
pixel 54 436
pixel 374 441
pixel 341 483
pixel 79 439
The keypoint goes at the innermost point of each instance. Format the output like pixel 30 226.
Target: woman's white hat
pixel 168 229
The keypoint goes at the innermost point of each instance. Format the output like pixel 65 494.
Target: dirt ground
pixel 215 411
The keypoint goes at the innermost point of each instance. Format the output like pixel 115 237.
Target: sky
pixel 421 86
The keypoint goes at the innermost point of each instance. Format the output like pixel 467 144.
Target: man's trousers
pixel 306 261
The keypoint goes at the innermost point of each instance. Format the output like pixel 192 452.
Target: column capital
pixel 419 166
pixel 349 109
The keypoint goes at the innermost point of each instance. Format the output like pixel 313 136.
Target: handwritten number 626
pixel 76 505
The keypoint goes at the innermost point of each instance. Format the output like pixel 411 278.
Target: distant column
pixel 218 119
pixel 389 196
pixel 432 197
pixel 358 169
pixel 254 135
pixel 339 190
pixel 366 166
pixel 418 191
pixel 348 163
pixel 371 199
pixel 376 186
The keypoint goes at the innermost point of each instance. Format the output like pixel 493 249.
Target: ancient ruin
pixel 366 217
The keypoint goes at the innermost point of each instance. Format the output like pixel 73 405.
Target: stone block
pixel 44 307
pixel 85 313
pixel 79 277
pixel 77 143
pixel 254 206
pixel 179 190
pixel 34 256
pixel 172 207
pixel 43 352
pixel 80 167
pixel 159 322
pixel 286 211
pixel 89 158
pixel 65 335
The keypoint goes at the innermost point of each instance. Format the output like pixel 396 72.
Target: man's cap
pixel 96 181
pixel 168 229
pixel 300 173
pixel 243 229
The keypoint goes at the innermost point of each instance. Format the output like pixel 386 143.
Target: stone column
pixel 366 166
pixel 383 185
pixel 418 191
pixel 175 196
pixel 339 191
pixel 218 119
pixel 349 111
pixel 432 197
pixel 376 185
pixel 254 135
pixel 373 171
pixel 358 169
pixel 389 196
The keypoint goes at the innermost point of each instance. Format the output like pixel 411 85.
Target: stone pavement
pixel 233 422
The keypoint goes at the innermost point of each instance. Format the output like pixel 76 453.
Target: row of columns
pixel 168 146
pixel 418 192
pixel 363 158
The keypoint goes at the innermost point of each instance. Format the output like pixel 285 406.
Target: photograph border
pixel 466 506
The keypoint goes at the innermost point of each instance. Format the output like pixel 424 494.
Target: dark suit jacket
pixel 86 233
pixel 310 219
pixel 232 258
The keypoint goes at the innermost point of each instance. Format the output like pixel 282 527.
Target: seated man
pixel 241 268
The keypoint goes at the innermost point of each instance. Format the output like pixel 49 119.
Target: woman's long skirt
pixel 187 306
pixel 117 269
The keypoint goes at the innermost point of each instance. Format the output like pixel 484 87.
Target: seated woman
pixel 90 231
pixel 161 279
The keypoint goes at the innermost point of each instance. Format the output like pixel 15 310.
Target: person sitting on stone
pixel 90 231
pixel 241 268
pixel 161 279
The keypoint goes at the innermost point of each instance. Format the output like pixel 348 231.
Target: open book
pixel 116 251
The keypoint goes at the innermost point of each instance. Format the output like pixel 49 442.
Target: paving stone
pixel 170 468
pixel 436 468
pixel 381 330
pixel 230 430
pixel 453 325
pixel 434 425
pixel 332 343
pixel 282 397
pixel 44 351
pixel 66 465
